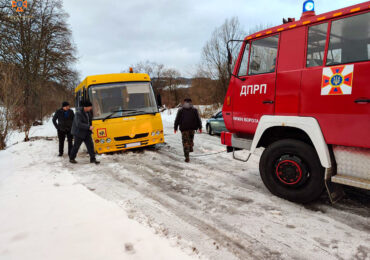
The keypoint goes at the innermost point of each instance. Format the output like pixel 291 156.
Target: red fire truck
pixel 302 91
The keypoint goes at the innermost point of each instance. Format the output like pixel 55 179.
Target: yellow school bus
pixel 125 112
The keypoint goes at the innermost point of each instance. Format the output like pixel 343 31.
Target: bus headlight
pixel 109 140
pixel 158 132
pixel 102 141
pixel 153 133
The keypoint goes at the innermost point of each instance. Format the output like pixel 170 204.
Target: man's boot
pixel 72 161
pixel 94 161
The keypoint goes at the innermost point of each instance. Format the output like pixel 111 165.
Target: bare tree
pixel 172 81
pixel 154 70
pixel 214 64
pixel 38 42
pixel 10 97
pixel 215 57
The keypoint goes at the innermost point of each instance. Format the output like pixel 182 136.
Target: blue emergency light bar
pixel 309 6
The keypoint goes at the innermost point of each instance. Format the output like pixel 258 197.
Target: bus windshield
pixel 125 98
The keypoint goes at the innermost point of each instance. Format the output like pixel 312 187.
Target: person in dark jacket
pixel 82 130
pixel 62 120
pixel 189 121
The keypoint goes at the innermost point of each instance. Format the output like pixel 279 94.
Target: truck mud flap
pixel 335 191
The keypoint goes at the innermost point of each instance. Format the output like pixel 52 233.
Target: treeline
pixel 36 64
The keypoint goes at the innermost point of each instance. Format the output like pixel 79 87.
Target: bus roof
pixel 312 19
pixel 112 78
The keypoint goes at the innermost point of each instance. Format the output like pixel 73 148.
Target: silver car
pixel 216 124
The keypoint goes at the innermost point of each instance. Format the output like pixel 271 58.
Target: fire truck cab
pixel 302 91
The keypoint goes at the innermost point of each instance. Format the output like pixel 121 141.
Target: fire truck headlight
pixel 109 140
pixel 309 6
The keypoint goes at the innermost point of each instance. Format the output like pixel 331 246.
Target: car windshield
pixel 122 99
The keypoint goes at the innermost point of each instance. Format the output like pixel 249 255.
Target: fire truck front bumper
pixel 233 142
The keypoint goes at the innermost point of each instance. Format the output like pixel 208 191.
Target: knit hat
pixel 65 104
pixel 188 100
pixel 86 103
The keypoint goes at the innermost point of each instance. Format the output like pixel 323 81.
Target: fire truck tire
pixel 291 169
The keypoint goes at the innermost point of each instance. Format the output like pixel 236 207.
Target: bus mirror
pixel 159 100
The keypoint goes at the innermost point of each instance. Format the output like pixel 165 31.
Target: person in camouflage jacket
pixel 189 121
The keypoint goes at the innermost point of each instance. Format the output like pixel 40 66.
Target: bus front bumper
pixel 122 146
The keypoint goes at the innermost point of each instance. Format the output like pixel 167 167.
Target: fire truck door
pixel 255 95
pixel 289 71
pixel 337 94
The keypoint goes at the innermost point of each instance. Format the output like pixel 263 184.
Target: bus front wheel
pixel 291 169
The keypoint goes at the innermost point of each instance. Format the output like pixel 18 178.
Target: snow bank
pixel 45 214
pixel 45 130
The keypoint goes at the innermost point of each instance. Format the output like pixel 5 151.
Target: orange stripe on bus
pixel 337 14
pixel 355 9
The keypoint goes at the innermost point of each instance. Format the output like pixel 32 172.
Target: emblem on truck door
pixel 337 80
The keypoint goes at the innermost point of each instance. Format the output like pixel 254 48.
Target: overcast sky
pixel 112 35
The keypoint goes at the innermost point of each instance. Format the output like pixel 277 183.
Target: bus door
pixel 254 92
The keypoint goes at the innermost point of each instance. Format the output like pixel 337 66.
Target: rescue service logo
pixel 19 5
pixel 337 80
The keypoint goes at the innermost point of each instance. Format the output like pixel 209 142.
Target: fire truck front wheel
pixel 291 169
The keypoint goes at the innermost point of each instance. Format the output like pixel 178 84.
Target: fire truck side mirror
pixel 229 57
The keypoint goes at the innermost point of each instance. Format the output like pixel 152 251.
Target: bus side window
pixel 78 99
pixel 316 45
pixel 244 63
pixel 349 40
pixel 85 94
pixel 263 55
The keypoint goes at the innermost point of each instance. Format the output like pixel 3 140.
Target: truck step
pixel 351 181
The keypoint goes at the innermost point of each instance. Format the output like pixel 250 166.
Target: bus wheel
pixel 292 170
pixel 209 129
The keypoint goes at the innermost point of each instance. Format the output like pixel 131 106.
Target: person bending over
pixel 82 130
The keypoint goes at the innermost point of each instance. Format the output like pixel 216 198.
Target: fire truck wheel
pixel 291 169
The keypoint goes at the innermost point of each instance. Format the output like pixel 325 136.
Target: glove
pixel 200 130
pixel 175 131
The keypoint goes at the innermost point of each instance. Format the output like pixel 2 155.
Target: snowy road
pixel 222 207
pixel 217 207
